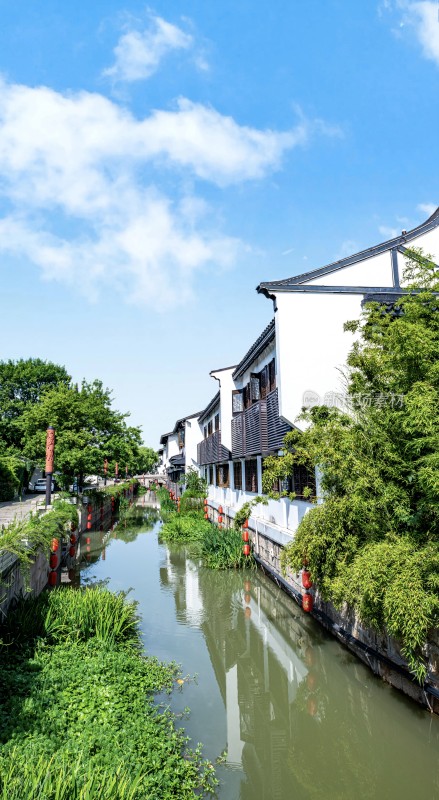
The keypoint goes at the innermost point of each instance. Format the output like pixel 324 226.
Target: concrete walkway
pixel 19 509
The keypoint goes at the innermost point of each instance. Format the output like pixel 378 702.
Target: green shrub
pixel 185 528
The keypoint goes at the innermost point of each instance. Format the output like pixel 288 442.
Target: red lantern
pixel 55 545
pixel 247 598
pixel 73 539
pixel 220 519
pixel 248 612
pixel 245 536
pixel 306 579
pixel 312 707
pixel 73 526
pixel 72 551
pixel 220 509
pixel 311 681
pixel 205 501
pixel 246 549
pixel 53 561
pixel 247 586
pixel 89 526
pixel 245 523
pixel 206 516
pixel 88 540
pixel 52 579
pixel 307 602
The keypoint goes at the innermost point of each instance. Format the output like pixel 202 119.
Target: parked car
pixel 40 486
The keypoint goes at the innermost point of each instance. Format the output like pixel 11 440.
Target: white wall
pixel 311 346
pixel 376 271
pixel 224 376
pixel 193 436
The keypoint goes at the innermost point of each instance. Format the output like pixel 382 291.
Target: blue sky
pixel 158 162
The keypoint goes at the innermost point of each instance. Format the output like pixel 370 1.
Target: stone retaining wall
pixel 379 651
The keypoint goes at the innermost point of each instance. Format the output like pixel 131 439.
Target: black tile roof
pixel 209 408
pixel 256 349
pixel 283 285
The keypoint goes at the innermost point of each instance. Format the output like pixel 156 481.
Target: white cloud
pixel 427 208
pixel 82 164
pixel 138 53
pixel 421 17
pixel 424 18
pixel 388 233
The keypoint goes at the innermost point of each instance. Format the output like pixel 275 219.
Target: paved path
pixel 16 509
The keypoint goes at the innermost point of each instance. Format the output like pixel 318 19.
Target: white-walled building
pixel 311 309
pixel 297 361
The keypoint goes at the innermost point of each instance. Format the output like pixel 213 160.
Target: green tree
pixel 374 542
pixel 22 384
pixel 88 430
pixel 147 460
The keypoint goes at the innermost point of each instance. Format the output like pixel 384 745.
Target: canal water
pixel 286 710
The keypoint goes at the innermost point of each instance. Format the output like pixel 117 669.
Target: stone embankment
pixel 379 651
pixel 95 512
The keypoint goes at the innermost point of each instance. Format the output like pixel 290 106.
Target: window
pixel 255 388
pixel 237 402
pixel 237 474
pixel 301 478
pixel 251 475
pixel 247 397
pixel 265 382
pixel 272 375
pixel 217 422
pixel 205 431
pixel 223 475
pixel 209 428
pixel 211 476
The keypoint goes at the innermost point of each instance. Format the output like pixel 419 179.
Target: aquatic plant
pixel 77 715
pixel 188 527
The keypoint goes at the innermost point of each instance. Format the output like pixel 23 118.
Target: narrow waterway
pixel 290 713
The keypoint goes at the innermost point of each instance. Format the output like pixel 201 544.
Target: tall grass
pixel 64 779
pixel 64 616
pixel 185 528
pixel 222 549
pixel 167 506
pixel 24 538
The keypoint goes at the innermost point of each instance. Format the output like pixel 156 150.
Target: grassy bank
pixel 77 715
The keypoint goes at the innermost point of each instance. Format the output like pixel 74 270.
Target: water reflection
pixel 299 717
pixel 304 718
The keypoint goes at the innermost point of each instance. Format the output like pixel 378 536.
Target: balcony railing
pixel 211 451
pixel 258 429
pixel 277 428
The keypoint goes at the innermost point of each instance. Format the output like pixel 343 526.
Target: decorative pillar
pixel 50 450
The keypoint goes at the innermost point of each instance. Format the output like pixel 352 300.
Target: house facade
pixel 311 309
pixel 298 360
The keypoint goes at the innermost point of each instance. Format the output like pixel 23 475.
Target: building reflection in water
pixel 304 718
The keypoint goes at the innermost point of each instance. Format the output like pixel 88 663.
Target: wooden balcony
pixel 258 430
pixel 211 451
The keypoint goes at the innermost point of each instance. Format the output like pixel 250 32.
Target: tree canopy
pixel 374 542
pixel 22 384
pixel 87 429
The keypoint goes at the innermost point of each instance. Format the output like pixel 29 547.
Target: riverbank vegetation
pixel 219 548
pixel 374 542
pixel 77 715
pixel 24 538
